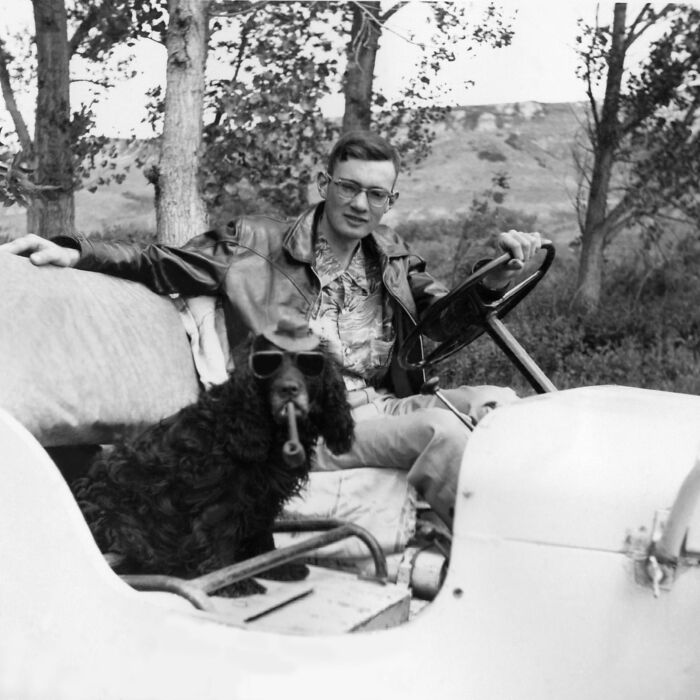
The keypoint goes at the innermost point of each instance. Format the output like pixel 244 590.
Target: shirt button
pixel 347 351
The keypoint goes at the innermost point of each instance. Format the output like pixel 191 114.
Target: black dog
pixel 201 489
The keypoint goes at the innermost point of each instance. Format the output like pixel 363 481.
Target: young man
pixel 357 283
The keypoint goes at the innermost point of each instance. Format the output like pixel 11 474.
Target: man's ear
pixel 322 184
pixel 392 200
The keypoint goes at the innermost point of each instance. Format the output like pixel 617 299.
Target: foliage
pixel 16 185
pixel 665 100
pixel 409 120
pixel 656 149
pixel 644 333
pixel 99 30
pixel 96 30
pixel 267 134
pixel 456 244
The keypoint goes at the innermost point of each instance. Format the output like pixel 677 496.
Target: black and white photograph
pixel 350 349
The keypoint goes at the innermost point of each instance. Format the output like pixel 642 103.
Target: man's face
pixel 352 219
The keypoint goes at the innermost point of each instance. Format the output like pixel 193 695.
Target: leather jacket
pixel 263 267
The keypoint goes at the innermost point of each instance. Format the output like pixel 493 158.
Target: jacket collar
pixel 299 238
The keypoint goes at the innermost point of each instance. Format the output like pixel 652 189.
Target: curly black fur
pixel 201 489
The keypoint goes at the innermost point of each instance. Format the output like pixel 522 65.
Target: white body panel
pixel 540 599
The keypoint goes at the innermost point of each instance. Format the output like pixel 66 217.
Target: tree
pixel 644 157
pixel 366 29
pixel 181 212
pixel 64 147
pixel 408 119
pixel 63 142
pixel 55 213
pixel 268 133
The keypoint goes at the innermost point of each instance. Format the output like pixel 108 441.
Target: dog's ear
pixel 335 420
pixel 249 429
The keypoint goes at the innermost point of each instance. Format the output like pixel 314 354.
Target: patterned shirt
pixel 353 314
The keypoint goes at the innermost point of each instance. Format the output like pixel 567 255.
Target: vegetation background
pixel 612 183
pixel 493 168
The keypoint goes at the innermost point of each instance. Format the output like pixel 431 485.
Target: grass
pixel 644 334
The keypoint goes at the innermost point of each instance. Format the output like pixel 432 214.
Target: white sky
pixel 539 64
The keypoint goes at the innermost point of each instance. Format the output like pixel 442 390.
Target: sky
pixel 539 64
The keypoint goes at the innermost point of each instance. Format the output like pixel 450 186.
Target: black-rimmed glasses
pixel 349 189
pixel 264 363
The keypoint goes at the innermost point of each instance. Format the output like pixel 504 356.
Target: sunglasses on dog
pixel 264 363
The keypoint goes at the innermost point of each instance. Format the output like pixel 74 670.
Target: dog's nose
pixel 289 387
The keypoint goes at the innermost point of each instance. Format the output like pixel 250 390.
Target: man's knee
pixel 444 427
pixel 477 401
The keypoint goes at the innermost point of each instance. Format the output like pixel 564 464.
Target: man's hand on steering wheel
pixel 521 246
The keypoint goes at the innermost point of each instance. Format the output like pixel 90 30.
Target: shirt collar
pixel 299 239
pixel 328 268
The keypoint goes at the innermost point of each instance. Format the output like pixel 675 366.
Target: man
pixel 357 283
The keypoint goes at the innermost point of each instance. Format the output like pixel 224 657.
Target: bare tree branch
pixel 232 8
pixel 106 84
pixel 89 22
pixel 8 94
pixel 645 19
pixel 380 22
pixel 393 10
pixel 240 55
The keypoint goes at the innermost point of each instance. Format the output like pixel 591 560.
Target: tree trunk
pixel 359 74
pixel 181 212
pixel 55 212
pixel 605 142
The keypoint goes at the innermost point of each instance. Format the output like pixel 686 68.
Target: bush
pixel 125 234
pixel 643 335
pixel 452 246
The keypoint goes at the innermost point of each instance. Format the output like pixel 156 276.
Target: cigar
pixel 292 451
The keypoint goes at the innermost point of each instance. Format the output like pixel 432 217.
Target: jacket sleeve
pixel 198 267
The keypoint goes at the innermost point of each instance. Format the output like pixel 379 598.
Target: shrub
pixel 643 335
pixel 493 155
pixel 125 234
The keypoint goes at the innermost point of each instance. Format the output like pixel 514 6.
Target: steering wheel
pixel 471 316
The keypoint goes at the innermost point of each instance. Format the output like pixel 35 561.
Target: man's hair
pixel 362 145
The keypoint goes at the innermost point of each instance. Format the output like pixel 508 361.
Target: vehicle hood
pixel 577 468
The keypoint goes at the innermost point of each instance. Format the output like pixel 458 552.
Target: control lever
pixel 432 386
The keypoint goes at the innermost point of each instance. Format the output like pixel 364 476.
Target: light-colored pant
pixel 418 435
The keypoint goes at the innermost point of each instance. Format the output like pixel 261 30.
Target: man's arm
pixel 199 267
pixel 42 251
pixel 521 246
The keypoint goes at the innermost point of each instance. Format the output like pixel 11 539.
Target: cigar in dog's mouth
pixel 292 451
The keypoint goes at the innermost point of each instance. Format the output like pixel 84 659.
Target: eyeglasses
pixel 349 189
pixel 264 363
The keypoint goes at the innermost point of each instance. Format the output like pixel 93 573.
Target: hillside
pixel 531 142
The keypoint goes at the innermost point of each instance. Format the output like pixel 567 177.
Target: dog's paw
pixel 293 571
pixel 240 589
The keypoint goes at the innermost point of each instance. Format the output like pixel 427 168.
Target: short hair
pixel 363 145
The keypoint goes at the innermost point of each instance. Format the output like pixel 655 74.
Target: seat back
pixel 86 356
